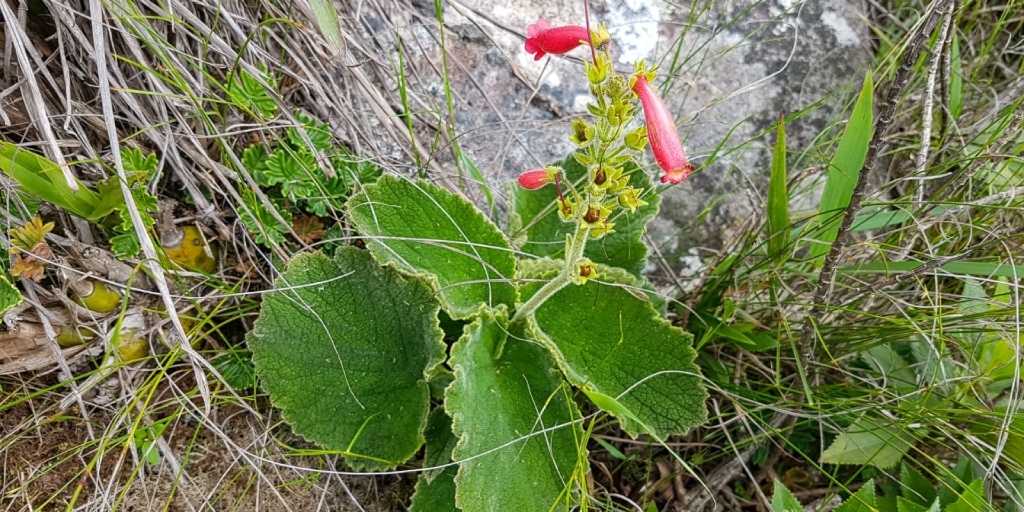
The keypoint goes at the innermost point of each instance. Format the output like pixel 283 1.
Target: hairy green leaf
pixel 869 441
pixel 435 488
pixel 424 228
pixel 344 348
pixel 608 340
pixel 844 170
pixel 545 232
pixel 501 407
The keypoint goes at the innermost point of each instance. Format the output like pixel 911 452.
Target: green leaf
pixel 545 232
pixel 844 171
pixel 437 495
pixel 904 505
pixel 424 228
pixel 245 91
pixel 892 367
pixel 608 340
pixel 500 409
pixel 479 178
pixel 862 501
pixel 972 499
pixel 43 178
pixel 344 348
pixel 954 481
pixel 778 198
pixel 916 487
pixel 869 441
pixel 327 21
pixel 9 294
pixel 435 489
pixel 783 500
pixel 956 81
pixel 973 268
pixel 440 443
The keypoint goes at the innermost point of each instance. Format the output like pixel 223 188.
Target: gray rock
pixel 726 72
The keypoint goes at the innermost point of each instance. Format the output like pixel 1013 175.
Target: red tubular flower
pixel 532 180
pixel 662 134
pixel 558 40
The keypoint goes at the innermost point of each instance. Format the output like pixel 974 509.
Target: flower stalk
pixel 605 145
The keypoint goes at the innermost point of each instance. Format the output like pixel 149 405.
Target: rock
pixel 726 72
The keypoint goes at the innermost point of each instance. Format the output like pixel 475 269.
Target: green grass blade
pixel 844 170
pixel 43 178
pixel 971 268
pixel 956 81
pixel 778 197
pixel 474 172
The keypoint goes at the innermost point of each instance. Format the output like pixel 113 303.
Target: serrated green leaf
pixel 345 348
pixel 9 294
pixel 904 505
pixel 778 198
pixel 499 409
pixel 125 245
pixel 972 499
pixel 844 170
pixel 954 481
pixel 869 441
pixel 424 228
pixel 915 486
pixel 545 232
pixel 783 500
pixel 862 501
pixel 607 340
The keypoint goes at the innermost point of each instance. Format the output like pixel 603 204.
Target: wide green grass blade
pixel 43 178
pixel 328 23
pixel 844 170
pixel 778 197
pixel 971 268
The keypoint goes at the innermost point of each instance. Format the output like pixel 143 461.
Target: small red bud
pixel 532 180
pixel 600 177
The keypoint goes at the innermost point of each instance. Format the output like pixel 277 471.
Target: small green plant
pixel 105 205
pixel 296 182
pixel 959 491
pixel 350 347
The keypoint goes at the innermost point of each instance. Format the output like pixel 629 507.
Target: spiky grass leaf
pixel 844 170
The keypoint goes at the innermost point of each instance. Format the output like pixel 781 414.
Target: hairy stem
pixel 572 258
